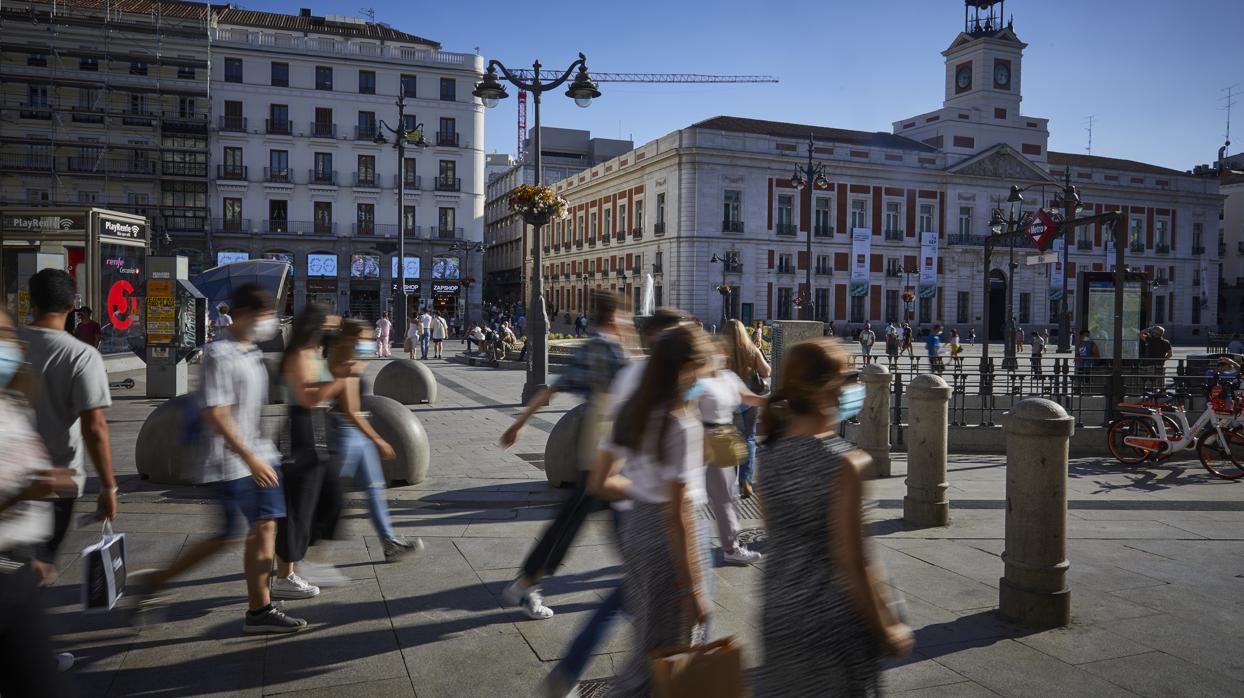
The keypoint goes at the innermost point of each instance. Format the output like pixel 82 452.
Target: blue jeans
pixel 423 344
pixel 361 461
pixel 748 469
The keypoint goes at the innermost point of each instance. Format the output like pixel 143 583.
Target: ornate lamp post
pixel 467 248
pixel 811 176
pixel 582 90
pixel 401 138
pixel 1069 202
pixel 724 289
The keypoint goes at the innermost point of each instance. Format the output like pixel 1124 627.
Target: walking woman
pixel 383 327
pixel 312 488
pixel 359 448
pixel 412 336
pixel 659 437
pixel 721 394
pixel 748 363
pixel 439 332
pixel 825 622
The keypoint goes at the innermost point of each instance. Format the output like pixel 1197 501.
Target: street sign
pixel 1041 229
pixel 1043 258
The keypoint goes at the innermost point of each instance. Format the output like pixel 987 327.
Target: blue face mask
pixel 10 362
pixel 364 347
pixel 695 391
pixel 850 401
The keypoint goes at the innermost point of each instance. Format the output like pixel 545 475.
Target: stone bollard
pixel 1033 590
pixel 400 427
pixel 925 504
pixel 408 382
pixel 874 429
pixel 561 451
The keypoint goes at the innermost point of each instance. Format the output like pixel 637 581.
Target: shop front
pixel 104 251
pixel 445 297
pixel 365 286
pixel 288 258
pixel 322 280
pixel 414 286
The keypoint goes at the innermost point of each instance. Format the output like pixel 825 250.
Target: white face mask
pixel 265 329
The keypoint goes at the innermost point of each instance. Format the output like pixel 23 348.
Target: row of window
pixel 322 221
pixel 279 77
pixel 93 98
pixel 91 64
pixel 323 126
pixel 233 166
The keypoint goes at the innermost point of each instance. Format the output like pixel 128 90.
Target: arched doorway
pixel 997 305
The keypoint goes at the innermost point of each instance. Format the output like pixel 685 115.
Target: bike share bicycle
pixel 1157 427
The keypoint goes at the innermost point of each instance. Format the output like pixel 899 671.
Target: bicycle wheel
pixel 1124 426
pixel 1224 456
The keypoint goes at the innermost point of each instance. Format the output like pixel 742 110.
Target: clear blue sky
pixel 1150 71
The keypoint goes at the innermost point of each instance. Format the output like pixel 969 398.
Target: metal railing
pixel 281 175
pixel 446 233
pixel 281 127
pixel 447 138
pixel 1084 244
pixel 966 240
pixel 365 179
pixel 734 267
pixel 448 184
pixel 24 161
pixel 276 225
pixel 1198 249
pixel 1137 247
pixel 894 235
pixel 658 228
pixel 232 123
pixel 786 269
pixel 784 228
pixel 822 231
pixel 323 130
pixel 365 133
pixel 823 270
pixel 732 226
pixel 236 172
pixel 413 182
pixel 1162 248
pixel 230 225
pixel 637 233
pixel 321 176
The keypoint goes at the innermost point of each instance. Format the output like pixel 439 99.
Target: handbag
pixel 103 571
pixel 714 669
pixel 724 446
pixel 756 384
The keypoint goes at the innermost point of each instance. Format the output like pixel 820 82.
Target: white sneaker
pixel 514 593
pixel 742 556
pixel 527 598
pixel 320 574
pixel 64 662
pixel 292 587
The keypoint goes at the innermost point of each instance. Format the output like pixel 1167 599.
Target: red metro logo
pixel 122 306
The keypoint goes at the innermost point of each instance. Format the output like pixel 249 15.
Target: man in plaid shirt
pixel 591 370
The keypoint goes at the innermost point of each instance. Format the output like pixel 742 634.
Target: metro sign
pixel 1042 229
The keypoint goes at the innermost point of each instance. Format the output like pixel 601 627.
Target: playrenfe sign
pixel 123 229
pixel 42 224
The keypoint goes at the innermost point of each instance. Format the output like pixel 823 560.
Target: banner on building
pixel 928 264
pixel 1205 282
pixel 1057 271
pixel 861 249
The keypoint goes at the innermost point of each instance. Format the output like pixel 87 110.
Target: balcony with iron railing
pixel 959 240
pixel 447 138
pixel 447 233
pixel 448 184
pixel 822 231
pixel 1162 248
pixel 323 130
pixel 279 128
pixel 37 111
pixel 365 132
pixel 25 162
pixel 637 233
pixel 1137 247
pixel 734 266
pixel 785 268
pixel 322 177
pixel 365 179
pixel 1198 249
pixel 657 268
pixel 236 124
pixel 894 272
pixel 1085 245
pixel 413 182
pixel 606 238
pixel 591 240
pixel 823 270
pixel 658 228
pixel 276 225
pixel 894 236
pixel 233 172
pixel 732 225
pixel 620 233
pixel 280 176
pixel 231 225
pixel 784 229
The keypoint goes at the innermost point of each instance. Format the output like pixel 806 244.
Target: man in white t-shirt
pixel 425 333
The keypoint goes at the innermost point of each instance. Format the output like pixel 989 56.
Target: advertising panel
pixel 1057 271
pixel 230 257
pixel 412 268
pixel 121 287
pixel 861 248
pixel 928 264
pixel 321 265
pixel 446 268
pixel 1101 315
pixel 365 266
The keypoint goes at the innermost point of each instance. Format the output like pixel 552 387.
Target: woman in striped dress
pixel 659 443
pixel 825 622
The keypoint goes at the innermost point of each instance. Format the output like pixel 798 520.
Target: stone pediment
pixel 1001 162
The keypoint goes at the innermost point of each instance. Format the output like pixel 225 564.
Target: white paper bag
pixel 103 571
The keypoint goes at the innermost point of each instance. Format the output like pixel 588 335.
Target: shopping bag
pixel 103 571
pixel 714 669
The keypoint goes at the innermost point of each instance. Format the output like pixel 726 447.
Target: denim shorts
pixel 244 497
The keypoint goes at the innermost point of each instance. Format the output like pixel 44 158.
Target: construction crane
pixel 682 78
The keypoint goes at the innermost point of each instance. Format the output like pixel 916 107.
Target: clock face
pixel 963 77
pixel 1002 75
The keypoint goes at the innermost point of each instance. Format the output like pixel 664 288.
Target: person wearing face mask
pixel 27 664
pixel 826 620
pixel 359 448
pixel 241 462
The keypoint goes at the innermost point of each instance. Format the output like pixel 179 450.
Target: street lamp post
pixel 400 138
pixel 907 272
pixel 1069 201
pixel 810 176
pixel 724 289
pixel 466 248
pixel 582 90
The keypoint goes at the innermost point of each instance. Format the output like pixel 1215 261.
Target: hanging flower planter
pixel 725 289
pixel 908 296
pixel 538 205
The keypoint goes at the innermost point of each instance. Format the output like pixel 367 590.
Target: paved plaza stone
pixel 1156 578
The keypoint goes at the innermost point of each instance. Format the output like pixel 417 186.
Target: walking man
pixel 933 344
pixel 87 329
pixel 243 465
pixel 71 394
pixel 425 333
pixel 1039 340
pixel 867 339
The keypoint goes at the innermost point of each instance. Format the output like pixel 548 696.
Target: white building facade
pixel 297 172
pixel 722 187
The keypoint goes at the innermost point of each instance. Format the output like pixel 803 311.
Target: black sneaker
pixel 274 621
pixel 396 548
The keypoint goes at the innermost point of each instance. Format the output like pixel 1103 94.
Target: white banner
pixel 928 264
pixel 1205 283
pixel 1057 271
pixel 861 248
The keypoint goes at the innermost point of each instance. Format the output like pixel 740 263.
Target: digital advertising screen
pixel 412 268
pixel 446 268
pixel 365 266
pixel 123 291
pixel 321 265
pixel 231 257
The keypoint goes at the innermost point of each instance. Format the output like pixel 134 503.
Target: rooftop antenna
pixel 1089 119
pixel 369 13
pixel 1230 102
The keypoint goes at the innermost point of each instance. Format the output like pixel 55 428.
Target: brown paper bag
pixel 715 669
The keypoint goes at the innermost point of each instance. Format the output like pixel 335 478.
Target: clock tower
pixel 981 107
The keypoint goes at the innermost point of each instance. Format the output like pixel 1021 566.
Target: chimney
pixel 304 12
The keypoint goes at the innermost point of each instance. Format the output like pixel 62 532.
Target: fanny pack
pixel 724 446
